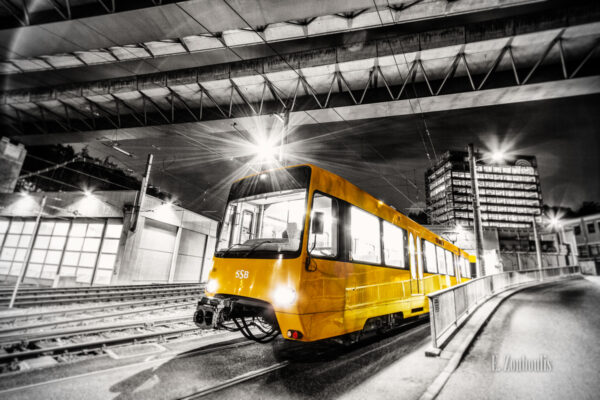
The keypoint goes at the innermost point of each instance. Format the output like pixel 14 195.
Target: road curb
pixel 434 389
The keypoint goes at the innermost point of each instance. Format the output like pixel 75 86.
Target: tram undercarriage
pixel 255 319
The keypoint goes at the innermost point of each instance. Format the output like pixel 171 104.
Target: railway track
pixel 71 349
pixel 23 330
pixel 40 315
pixel 236 381
pixel 32 291
pixel 406 329
pixel 106 296
pixel 122 318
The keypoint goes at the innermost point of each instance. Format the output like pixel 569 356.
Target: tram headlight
pixel 211 286
pixel 284 296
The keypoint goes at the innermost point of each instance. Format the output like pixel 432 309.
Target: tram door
pixel 416 265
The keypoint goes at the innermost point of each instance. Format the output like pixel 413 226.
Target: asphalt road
pixel 542 343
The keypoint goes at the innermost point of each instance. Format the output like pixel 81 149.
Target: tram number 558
pixel 241 274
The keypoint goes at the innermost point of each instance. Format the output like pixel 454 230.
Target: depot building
pixel 98 239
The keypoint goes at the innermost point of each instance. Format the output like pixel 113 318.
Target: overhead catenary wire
pixel 300 77
pixel 408 77
pixel 63 166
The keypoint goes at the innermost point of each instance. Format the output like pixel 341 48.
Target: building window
pixel 47 249
pixel 327 242
pixel 365 236
pixel 577 230
pixel 108 253
pixel 591 228
pixel 13 253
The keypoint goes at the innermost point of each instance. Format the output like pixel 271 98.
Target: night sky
pixel 562 134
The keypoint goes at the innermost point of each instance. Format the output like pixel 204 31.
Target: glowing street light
pixel 498 156
pixel 265 151
pixel 555 221
pixel 88 193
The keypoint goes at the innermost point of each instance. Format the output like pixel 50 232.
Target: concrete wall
pixel 170 243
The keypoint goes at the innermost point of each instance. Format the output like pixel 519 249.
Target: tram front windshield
pixel 265 215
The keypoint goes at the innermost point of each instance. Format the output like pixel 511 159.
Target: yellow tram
pixel 304 252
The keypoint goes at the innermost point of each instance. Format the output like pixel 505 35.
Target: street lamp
pixel 556 224
pixel 497 157
pixel 477 224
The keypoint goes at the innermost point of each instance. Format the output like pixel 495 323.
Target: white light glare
pixel 265 151
pixel 88 193
pixel 212 286
pixel 284 296
pixel 498 156
pixel 554 221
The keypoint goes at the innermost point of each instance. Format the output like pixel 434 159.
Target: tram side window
pixel 430 259
pixel 327 242
pixel 464 263
pixel 365 235
pixel 393 245
pixel 441 260
pixel 449 263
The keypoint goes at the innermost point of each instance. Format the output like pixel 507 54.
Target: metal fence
pixel 451 307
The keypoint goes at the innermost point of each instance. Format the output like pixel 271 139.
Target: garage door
pixel 155 251
pixel 190 256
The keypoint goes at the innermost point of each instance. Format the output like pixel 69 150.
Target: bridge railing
pixel 451 307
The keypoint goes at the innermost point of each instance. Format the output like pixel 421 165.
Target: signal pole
pixel 284 133
pixel 21 276
pixel 538 252
pixel 139 200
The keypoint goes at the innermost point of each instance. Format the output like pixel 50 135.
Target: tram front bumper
pixel 211 312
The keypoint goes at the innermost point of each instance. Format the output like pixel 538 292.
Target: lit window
pixel 394 242
pixel 364 233
pixel 430 259
pixel 327 242
pixel 449 263
pixel 441 260
pixel 114 230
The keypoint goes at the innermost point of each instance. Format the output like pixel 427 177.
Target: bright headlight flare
pixel 212 286
pixel 284 296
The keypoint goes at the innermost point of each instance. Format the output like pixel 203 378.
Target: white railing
pixel 450 308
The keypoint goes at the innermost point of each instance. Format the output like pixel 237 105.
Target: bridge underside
pixel 542 65
pixel 370 93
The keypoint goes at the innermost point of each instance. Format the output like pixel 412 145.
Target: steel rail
pixel 237 380
pixel 38 315
pixel 25 328
pixel 90 346
pixel 75 295
pixel 67 333
pixel 205 349
pixel 34 290
pixel 98 299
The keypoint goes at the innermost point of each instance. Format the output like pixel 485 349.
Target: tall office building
pixel 509 191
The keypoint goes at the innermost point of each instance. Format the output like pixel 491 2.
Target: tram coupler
pixel 211 312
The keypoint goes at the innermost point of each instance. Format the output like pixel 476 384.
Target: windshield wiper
pixel 229 248
pixel 256 246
